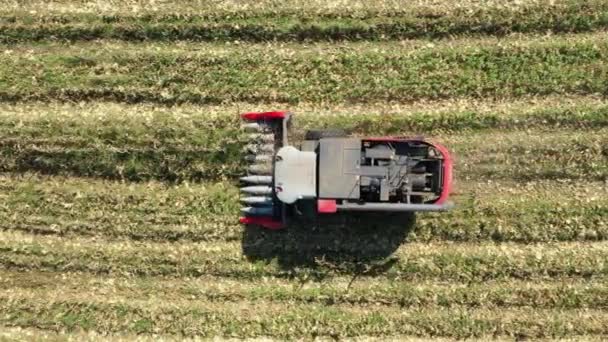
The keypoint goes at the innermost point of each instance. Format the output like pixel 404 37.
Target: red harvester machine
pixel 333 172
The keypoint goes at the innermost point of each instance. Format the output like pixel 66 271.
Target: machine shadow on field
pixel 342 241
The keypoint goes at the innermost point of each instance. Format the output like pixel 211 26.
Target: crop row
pixel 412 261
pixel 151 211
pixel 200 150
pixel 358 74
pixel 293 321
pixel 201 307
pixel 572 294
pixel 295 24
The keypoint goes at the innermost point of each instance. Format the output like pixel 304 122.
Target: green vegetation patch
pixel 357 74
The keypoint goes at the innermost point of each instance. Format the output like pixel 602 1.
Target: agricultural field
pixel 120 152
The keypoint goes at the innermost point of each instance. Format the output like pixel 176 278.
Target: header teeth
pixel 257 179
pixel 261 169
pixel 257 190
pixel 257 200
pixel 262 211
pixel 258 158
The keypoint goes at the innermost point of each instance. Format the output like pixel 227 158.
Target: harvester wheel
pixel 316 134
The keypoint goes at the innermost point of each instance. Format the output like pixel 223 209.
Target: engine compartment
pixel 386 171
pixel 399 172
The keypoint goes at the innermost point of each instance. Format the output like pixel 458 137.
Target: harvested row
pixel 570 294
pixel 294 23
pixel 151 211
pixel 146 211
pixel 318 74
pixel 531 155
pixel 246 7
pixel 23 333
pixel 413 261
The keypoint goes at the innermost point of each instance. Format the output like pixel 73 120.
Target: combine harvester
pixel 332 173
